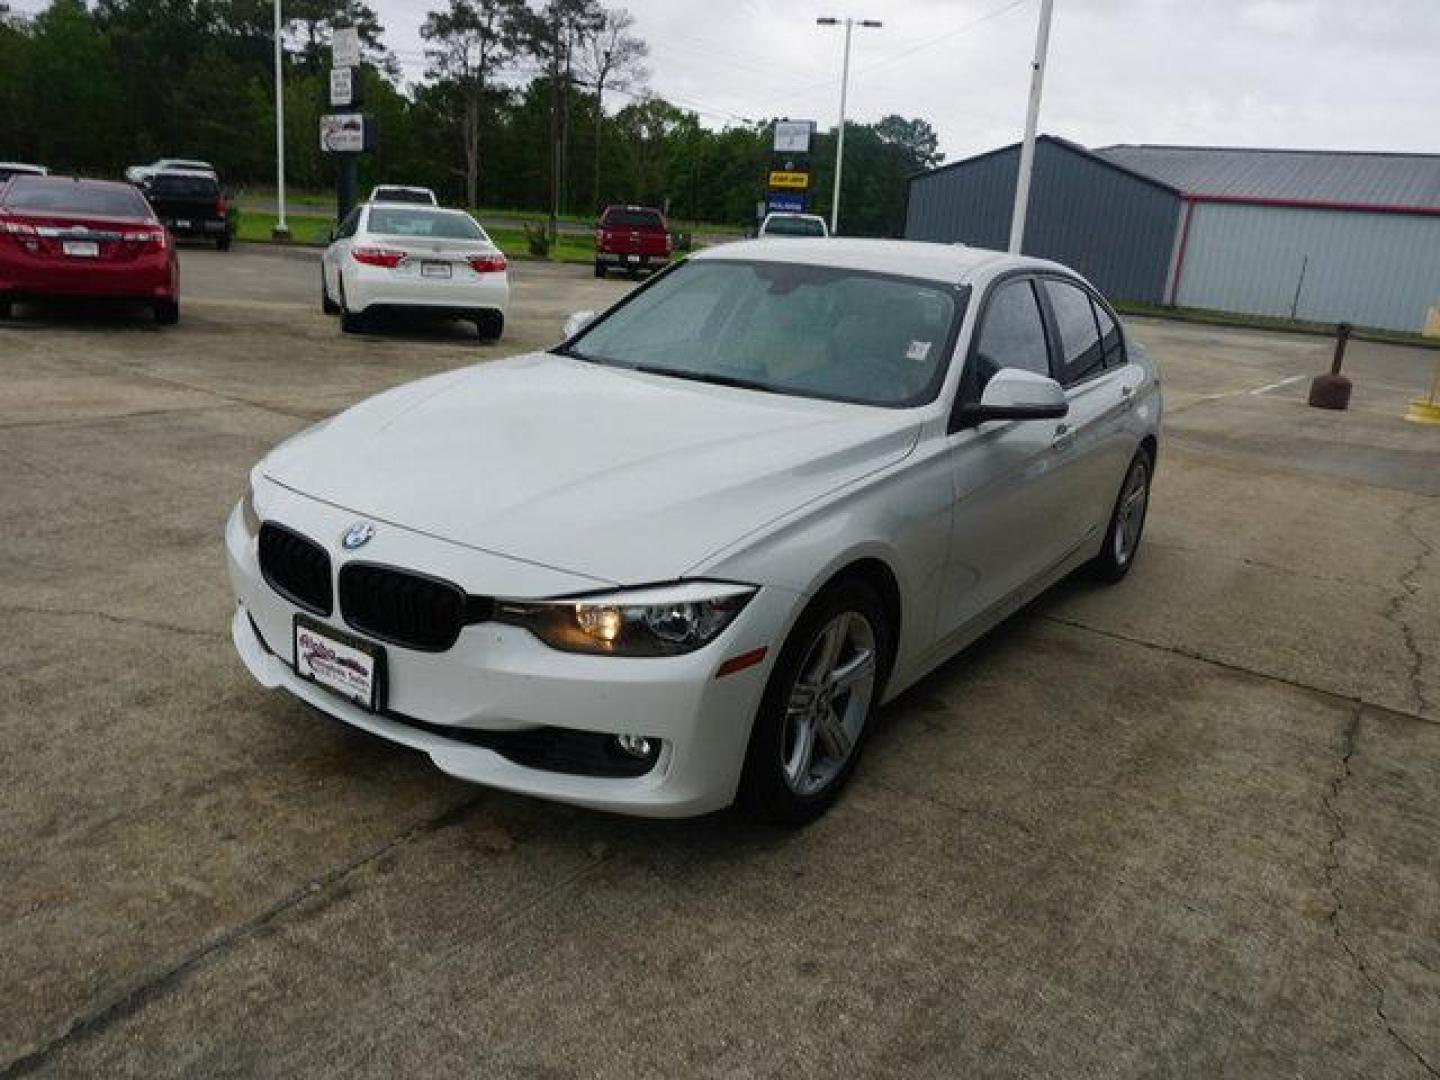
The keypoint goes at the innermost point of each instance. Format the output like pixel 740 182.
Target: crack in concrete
pixel 1349 742
pixel 1191 654
pixel 1394 610
pixel 149 987
pixel 119 620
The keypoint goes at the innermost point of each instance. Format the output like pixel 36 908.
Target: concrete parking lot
pixel 1186 826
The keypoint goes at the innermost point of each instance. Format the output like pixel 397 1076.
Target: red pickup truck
pixel 631 238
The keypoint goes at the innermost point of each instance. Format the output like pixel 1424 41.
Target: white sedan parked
pixel 680 559
pixel 403 256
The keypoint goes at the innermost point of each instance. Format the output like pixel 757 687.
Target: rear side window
pixel 632 219
pixel 349 225
pixel 1111 340
pixel 1080 350
pixel 40 194
pixel 1012 335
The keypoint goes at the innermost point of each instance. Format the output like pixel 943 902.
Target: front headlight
pixel 659 621
pixel 248 514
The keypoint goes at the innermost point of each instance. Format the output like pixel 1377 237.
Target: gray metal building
pixel 1319 235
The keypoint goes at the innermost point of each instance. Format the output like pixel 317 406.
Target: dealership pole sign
pixel 345 132
pixel 788 180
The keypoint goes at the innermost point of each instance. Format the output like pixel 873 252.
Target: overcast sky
pixel 1335 74
pixel 1332 74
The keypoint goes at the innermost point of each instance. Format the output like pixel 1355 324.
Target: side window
pixel 1080 349
pixel 349 225
pixel 1012 335
pixel 1111 340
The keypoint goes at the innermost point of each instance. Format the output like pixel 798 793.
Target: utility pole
pixel 1032 118
pixel 281 231
pixel 849 25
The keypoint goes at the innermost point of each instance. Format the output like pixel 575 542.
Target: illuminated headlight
pixel 660 621
pixel 248 513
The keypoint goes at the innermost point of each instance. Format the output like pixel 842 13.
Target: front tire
pixel 816 713
pixel 167 312
pixel 1127 520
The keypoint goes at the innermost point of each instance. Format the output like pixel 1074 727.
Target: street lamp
pixel 281 232
pixel 849 25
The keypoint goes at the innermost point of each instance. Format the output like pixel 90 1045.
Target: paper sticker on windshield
pixel 918 351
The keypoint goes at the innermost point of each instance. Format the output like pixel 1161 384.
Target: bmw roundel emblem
pixel 358 535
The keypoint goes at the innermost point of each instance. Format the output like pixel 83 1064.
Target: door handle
pixel 1063 437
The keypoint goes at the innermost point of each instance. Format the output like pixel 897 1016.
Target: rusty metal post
pixel 1332 391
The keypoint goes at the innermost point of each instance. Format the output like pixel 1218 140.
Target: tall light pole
pixel 280 229
pixel 849 25
pixel 1032 117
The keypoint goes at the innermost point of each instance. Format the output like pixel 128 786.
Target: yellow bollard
pixel 1427 410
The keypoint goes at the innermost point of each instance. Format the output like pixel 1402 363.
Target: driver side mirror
pixel 1015 394
pixel 577 321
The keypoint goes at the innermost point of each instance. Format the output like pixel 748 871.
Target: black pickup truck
pixel 192 204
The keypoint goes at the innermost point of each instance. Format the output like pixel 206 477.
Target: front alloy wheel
pixel 814 718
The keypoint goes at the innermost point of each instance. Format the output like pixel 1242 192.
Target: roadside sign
pixel 793 136
pixel 342 133
pixel 786 204
pixel 342 87
pixel 798 180
pixel 345 47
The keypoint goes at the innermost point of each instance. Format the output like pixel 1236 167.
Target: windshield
pixel 441 224
pixel 405 195
pixel 794 226
pixel 64 196
pixel 632 219
pixel 184 186
pixel 845 335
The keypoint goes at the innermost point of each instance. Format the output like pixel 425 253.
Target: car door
pixel 1093 452
pixel 1003 531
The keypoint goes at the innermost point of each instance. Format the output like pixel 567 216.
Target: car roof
pixel 402 187
pixel 208 174
pixel 400 204
pixel 949 263
pixel 39 169
pixel 794 213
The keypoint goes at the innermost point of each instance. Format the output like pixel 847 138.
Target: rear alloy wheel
pixel 1127 521
pixel 816 711
pixel 167 312
pixel 489 325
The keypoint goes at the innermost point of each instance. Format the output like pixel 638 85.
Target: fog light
pixel 636 745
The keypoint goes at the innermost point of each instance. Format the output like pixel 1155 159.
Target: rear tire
pixel 784 781
pixel 351 322
pixel 328 306
pixel 167 312
pixel 489 325
pixel 599 269
pixel 1127 520
pixel 7 309
pixel 223 243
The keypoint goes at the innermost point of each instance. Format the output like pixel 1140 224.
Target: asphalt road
pixel 1186 826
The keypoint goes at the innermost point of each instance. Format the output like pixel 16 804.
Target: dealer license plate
pixel 85 249
pixel 434 269
pixel 341 663
pixel 632 258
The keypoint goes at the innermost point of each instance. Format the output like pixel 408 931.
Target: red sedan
pixel 64 237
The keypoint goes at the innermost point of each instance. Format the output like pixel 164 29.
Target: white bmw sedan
pixel 389 256
pixel 679 560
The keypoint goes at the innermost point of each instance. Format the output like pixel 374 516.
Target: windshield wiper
pixel 708 377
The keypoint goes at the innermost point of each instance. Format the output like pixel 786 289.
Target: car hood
pixel 595 470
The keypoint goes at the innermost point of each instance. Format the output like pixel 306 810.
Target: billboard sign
pixel 796 180
pixel 345 47
pixel 793 136
pixel 342 87
pixel 342 133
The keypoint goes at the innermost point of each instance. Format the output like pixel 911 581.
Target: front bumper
pixel 501 678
